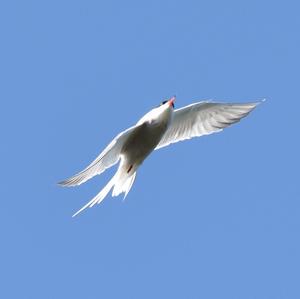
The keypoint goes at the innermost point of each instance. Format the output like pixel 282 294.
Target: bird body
pixel 158 128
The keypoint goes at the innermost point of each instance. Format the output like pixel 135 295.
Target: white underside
pixel 121 183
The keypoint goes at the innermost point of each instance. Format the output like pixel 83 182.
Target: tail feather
pixel 129 183
pixel 121 184
pixel 99 197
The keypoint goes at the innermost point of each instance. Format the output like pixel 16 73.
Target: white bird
pixel 158 128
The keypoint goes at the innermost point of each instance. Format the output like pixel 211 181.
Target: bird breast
pixel 142 141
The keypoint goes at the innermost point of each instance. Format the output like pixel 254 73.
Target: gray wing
pixel 203 118
pixel 109 157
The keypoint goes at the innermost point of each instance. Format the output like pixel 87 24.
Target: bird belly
pixel 141 143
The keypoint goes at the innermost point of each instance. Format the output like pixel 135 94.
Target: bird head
pixel 162 113
pixel 169 102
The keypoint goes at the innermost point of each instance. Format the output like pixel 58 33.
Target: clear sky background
pixel 215 217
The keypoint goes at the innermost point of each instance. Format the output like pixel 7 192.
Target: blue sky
pixel 215 217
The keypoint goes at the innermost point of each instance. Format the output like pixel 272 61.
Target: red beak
pixel 171 101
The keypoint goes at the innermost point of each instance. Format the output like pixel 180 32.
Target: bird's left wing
pixel 109 157
pixel 203 118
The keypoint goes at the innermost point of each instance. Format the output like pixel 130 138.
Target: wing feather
pixel 109 157
pixel 204 118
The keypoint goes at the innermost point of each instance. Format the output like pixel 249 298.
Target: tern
pixel 158 128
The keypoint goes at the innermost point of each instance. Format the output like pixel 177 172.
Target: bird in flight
pixel 158 128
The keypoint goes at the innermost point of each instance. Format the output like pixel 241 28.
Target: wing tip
pixel 73 181
pixel 66 183
pixel 258 102
pixel 251 105
pixel 61 183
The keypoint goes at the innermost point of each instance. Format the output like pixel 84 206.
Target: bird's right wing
pixel 203 118
pixel 109 157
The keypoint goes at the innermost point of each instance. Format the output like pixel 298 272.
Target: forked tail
pixel 121 184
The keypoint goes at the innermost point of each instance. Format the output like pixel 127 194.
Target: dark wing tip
pixel 67 183
pixel 62 183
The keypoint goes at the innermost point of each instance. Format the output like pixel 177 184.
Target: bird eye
pixel 164 102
